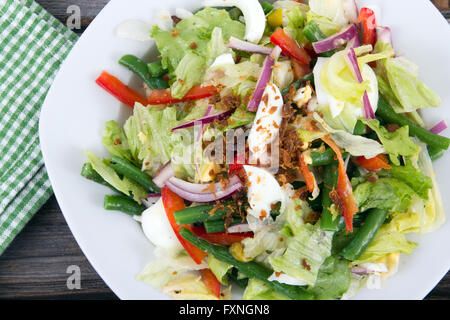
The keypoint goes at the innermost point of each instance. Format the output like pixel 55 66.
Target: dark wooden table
pixel 35 264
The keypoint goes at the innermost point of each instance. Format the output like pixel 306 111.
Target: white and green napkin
pixel 33 45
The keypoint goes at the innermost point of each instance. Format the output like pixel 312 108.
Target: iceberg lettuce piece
pixel 258 290
pixel 434 209
pixel 124 185
pixel 115 141
pixel 189 73
pixel 326 25
pixel 151 140
pixel 396 143
pixel 386 193
pixel 386 241
pixel 193 35
pixel 305 253
pixel 216 46
pixel 219 268
pixel 191 287
pixel 412 176
pixel 400 85
pixel 333 279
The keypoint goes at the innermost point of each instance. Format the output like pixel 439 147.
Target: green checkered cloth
pixel 33 45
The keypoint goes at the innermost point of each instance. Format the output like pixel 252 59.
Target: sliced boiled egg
pixel 157 228
pixel 224 59
pixel 263 192
pixel 266 126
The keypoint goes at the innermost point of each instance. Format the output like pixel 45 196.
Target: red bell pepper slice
pixel 211 282
pixel 238 164
pixel 369 24
pixel 373 164
pixel 173 202
pixel 222 238
pixel 310 180
pixel 164 96
pixel 290 46
pixel 344 187
pixel 119 90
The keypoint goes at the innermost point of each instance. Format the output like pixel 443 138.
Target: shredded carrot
pixel 306 173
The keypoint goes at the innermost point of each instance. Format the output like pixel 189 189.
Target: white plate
pixel 76 109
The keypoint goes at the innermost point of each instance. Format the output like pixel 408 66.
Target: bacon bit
pixel 174 273
pixel 258 179
pixel 238 58
pixel 175 19
pixel 209 188
pixel 277 98
pixel 273 110
pixel 277 274
pixel 312 217
pixel 302 193
pixel 174 33
pixel 275 124
pixel 116 141
pixel 147 163
pixel 306 265
pixel 334 197
pixel 372 178
pixel 281 239
pixel 193 46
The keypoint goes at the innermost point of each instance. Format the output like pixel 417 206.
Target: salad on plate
pixel 277 147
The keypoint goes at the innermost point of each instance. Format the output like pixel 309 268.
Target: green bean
pixel 331 174
pixel 388 115
pixel 267 7
pixel 123 204
pixel 435 153
pixel 360 128
pixel 313 33
pixel 156 69
pixel 125 168
pixel 364 236
pixel 234 275
pixel 324 158
pixel 219 225
pixel 140 68
pixel 199 214
pixel 250 269
pixel 88 172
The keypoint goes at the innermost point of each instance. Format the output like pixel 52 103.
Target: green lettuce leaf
pixel 386 241
pixel 396 143
pixel 152 142
pixel 258 290
pixel 219 268
pixel 333 279
pixel 305 253
pixel 412 176
pixel 216 46
pixel 115 141
pixel 327 26
pixel 198 29
pixel 386 193
pixel 189 72
pixel 400 86
pixel 240 117
pixel 124 185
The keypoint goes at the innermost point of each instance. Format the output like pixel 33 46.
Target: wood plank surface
pixel 35 265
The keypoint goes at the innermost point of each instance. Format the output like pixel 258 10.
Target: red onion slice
pixel 352 62
pixel 384 34
pixel 164 174
pixel 205 120
pixel 204 197
pixel 263 79
pixel 151 199
pixel 439 127
pixel 241 45
pixel 354 43
pixel 336 40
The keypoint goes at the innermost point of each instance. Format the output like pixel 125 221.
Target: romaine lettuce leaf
pixel 396 143
pixel 115 141
pixel 305 253
pixel 258 290
pixel 124 185
pixel 333 279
